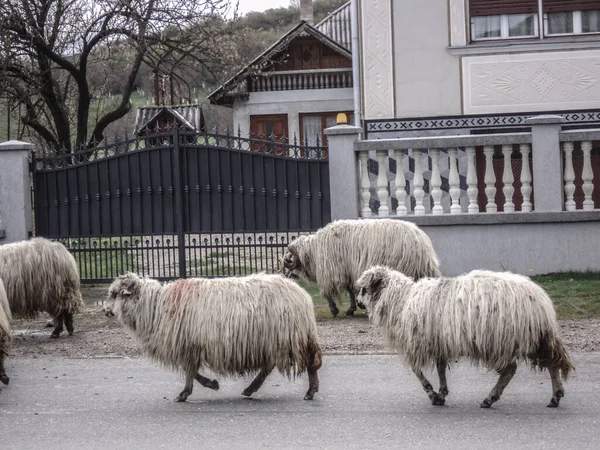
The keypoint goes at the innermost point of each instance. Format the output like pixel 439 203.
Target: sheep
pixel 491 318
pixel 336 255
pixel 5 336
pixel 232 326
pixel 41 275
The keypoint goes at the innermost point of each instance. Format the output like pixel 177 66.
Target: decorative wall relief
pixel 531 82
pixel 378 86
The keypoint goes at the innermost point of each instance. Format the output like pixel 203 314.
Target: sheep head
pixel 370 284
pixel 122 293
pixel 296 262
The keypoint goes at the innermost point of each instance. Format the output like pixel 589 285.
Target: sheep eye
pixel 363 291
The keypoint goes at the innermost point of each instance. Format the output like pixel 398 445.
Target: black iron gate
pixel 180 204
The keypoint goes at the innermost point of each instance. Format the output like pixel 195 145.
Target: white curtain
pixel 590 21
pixel 560 22
pixel 312 129
pixel 486 27
pixel 521 24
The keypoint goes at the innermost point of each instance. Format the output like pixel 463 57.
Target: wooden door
pixel 273 128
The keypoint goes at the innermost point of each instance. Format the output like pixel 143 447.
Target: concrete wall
pixel 291 103
pixel 15 192
pixel 529 244
pixel 426 76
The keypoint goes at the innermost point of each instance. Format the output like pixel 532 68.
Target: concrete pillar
pixel 15 192
pixel 343 171
pixel 547 163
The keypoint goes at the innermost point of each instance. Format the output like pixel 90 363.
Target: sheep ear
pixel 125 292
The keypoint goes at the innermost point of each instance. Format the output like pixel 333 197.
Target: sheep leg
pixel 257 382
pixel 207 382
pixel 352 309
pixel 435 398
pixel 506 375
pixel 441 369
pixel 189 386
pixel 558 391
pixel 331 301
pixel 3 377
pixel 313 383
pixel 69 322
pixel 59 325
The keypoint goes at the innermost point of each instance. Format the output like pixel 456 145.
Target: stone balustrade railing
pixel 445 175
pixel 581 150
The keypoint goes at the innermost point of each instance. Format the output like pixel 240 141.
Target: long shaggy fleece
pixel 40 275
pixel 233 326
pixel 488 317
pixel 335 256
pixel 5 336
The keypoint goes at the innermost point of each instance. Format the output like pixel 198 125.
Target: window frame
pixel 540 26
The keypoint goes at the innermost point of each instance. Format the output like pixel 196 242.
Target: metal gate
pixel 180 204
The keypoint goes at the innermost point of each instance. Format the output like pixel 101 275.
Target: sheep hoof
pixel 55 335
pixel 334 311
pixel 181 398
pixel 438 401
pixel 214 385
pixel 350 312
pixel 553 403
pixel 247 393
pixel 4 378
pixel 309 396
pixel 485 404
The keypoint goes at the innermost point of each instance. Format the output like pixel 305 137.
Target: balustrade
pixel 289 80
pixel 581 176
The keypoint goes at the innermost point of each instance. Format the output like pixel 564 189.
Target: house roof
pixel 337 27
pixel 236 84
pixel 188 115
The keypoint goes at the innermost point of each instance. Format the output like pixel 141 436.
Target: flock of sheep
pixel 251 325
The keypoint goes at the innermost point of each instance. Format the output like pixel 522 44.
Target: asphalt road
pixel 365 402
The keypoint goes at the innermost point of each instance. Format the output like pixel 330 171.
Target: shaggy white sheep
pixel 494 319
pixel 336 255
pixel 41 275
pixel 233 326
pixel 5 336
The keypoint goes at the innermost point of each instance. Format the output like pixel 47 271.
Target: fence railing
pixel 581 151
pixel 470 174
pixel 301 79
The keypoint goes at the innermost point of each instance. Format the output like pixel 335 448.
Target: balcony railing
pixel 290 80
pixel 470 174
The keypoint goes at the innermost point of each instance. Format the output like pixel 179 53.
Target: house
pixel 153 119
pixel 452 66
pixel 297 86
pixel 480 124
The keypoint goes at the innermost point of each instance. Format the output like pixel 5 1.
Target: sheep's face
pixel 122 296
pixel 370 284
pixel 293 264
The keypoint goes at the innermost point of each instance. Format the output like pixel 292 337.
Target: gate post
pixel 343 171
pixel 177 169
pixel 15 192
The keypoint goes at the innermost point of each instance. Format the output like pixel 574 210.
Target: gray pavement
pixel 368 401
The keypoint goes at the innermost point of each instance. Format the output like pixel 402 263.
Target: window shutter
pixel 569 5
pixel 494 7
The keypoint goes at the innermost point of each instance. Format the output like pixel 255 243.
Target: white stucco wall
pixel 292 103
pixel 427 77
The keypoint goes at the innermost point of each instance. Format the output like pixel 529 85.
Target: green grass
pixel 106 260
pixel 576 295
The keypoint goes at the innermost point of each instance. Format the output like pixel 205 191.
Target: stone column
pixel 15 192
pixel 343 171
pixel 547 163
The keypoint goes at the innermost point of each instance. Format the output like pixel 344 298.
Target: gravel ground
pixel 99 336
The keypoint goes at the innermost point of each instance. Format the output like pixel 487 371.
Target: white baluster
pixel 472 190
pixel 490 179
pixel 508 179
pixel 454 181
pixel 587 176
pixel 418 183
pixel 365 184
pixel 525 178
pixel 382 183
pixel 400 183
pixel 569 176
pixel 436 182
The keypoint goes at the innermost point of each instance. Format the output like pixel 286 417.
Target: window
pixel 512 19
pixel 313 124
